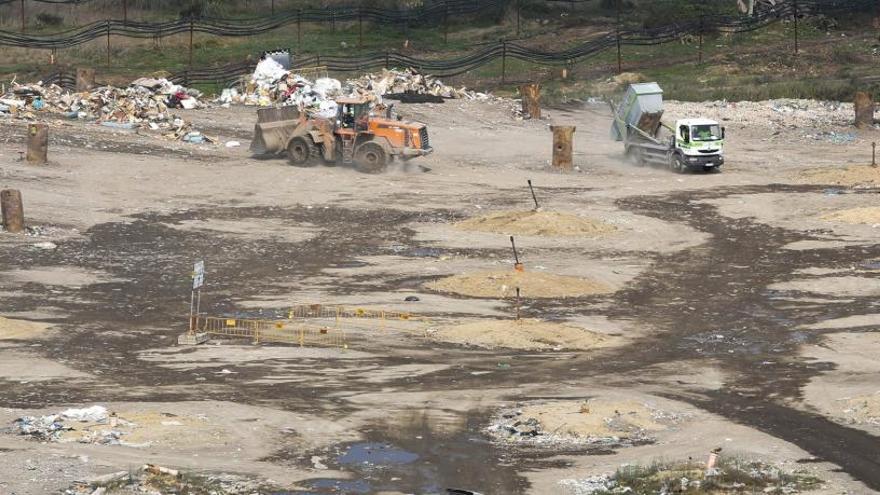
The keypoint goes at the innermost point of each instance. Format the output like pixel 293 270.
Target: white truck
pixel 691 145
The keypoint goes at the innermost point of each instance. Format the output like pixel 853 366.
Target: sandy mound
pixel 20 329
pixel 547 223
pixel 503 283
pixel 862 410
pixel 868 215
pixel 595 418
pixel 522 334
pixel 598 420
pixel 849 176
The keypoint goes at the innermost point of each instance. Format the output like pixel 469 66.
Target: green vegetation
pixel 836 56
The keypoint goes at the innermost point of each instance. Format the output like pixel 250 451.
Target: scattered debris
pixel 272 84
pixel 594 422
pixel 158 479
pixel 145 104
pixel 731 476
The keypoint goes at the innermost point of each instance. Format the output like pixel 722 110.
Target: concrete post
pixel 864 107
pixel 531 100
pixel 562 146
pixel 12 210
pixel 85 79
pixel 37 144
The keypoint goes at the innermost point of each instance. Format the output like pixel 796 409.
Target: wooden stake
pixel 37 144
pixel 562 146
pixel 85 79
pixel 531 100
pixel 12 211
pixel 864 109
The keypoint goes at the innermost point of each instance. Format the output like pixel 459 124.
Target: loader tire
pixel 302 152
pixel 370 158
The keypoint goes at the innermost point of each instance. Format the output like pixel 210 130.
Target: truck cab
pixel 699 143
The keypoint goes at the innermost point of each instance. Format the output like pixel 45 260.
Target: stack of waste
pixel 53 427
pixel 156 479
pixel 271 84
pixel 145 103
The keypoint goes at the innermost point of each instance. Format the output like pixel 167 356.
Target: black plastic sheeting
pixel 488 53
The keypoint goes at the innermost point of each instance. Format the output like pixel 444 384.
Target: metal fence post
pixel 299 16
pixel 191 29
pixel 700 56
pixel 360 27
pixel 503 61
pixel 23 20
pixel 795 27
pixel 619 61
pixel 108 42
pixel 518 17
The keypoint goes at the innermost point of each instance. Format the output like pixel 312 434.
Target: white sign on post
pixel 198 274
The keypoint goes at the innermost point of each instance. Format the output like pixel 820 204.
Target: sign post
pixel 195 303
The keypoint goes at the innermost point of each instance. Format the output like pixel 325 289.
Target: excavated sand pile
pixel 598 418
pixel 862 410
pixel 503 283
pixel 545 223
pixel 849 176
pixel 868 215
pixel 526 334
pixel 20 329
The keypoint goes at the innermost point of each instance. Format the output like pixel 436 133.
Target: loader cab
pixel 353 114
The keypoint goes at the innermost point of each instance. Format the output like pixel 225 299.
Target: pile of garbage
pixel 272 84
pixel 145 103
pixel 152 478
pixel 54 427
pixel 782 114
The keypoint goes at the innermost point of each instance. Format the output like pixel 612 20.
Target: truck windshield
pixel 708 132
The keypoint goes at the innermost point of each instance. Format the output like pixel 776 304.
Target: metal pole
pixel 795 27
pixel 299 15
pixel 533 194
pixel 619 62
pixel 108 42
pixel 273 7
pixel 192 299
pixel 191 29
pixel 125 11
pixel 446 23
pixel 518 17
pixel 360 28
pixel 23 21
pixel 701 40
pixel 517 304
pixel 386 59
pixel 874 154
pixel 503 62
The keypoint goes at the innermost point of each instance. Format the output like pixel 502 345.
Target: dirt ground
pixel 731 300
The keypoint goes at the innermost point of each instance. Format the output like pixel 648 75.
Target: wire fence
pixel 437 11
pixel 504 50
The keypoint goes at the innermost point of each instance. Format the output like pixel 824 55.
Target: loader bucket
pixel 273 130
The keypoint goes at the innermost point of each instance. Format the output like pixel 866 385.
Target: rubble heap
pixel 145 103
pixel 158 479
pixel 271 84
pixel 52 428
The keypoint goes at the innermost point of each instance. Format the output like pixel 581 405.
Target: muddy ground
pixel 730 301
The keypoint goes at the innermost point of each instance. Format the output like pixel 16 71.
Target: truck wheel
pixel 370 158
pixel 679 166
pixel 301 152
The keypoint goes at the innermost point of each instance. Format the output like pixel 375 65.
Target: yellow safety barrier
pixel 287 331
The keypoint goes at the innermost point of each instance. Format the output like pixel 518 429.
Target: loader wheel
pixel 300 152
pixel 370 158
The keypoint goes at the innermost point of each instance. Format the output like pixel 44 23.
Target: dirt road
pixel 700 304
